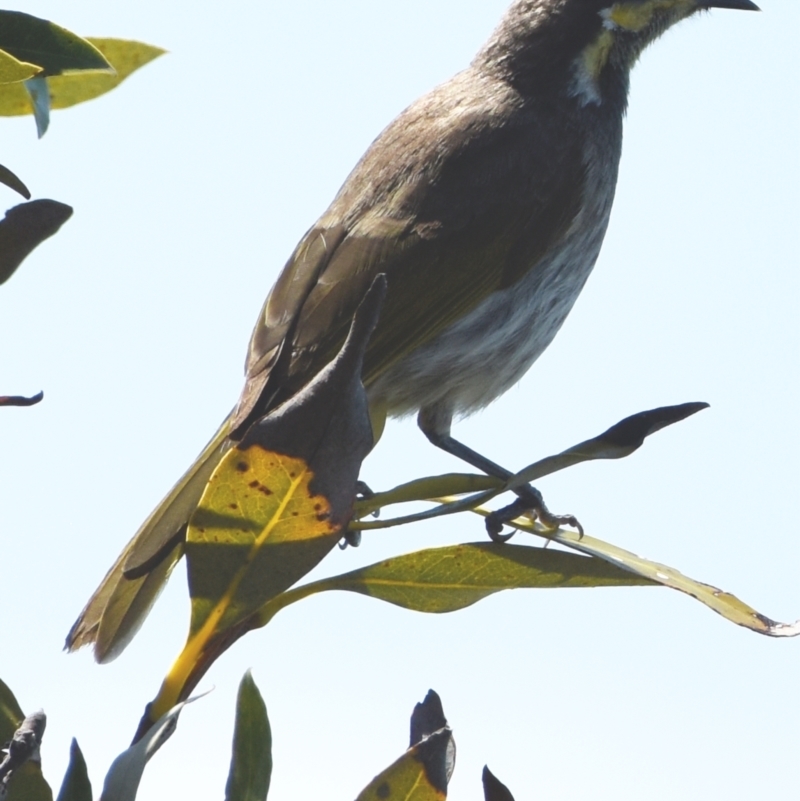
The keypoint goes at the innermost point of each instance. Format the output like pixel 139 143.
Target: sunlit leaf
pixel 76 785
pixel 276 505
pixel 251 760
pixel 454 577
pixel 26 226
pixel 13 70
pixel 67 90
pixel 419 775
pixel 47 45
pixel 723 603
pixel 258 519
pixel 124 55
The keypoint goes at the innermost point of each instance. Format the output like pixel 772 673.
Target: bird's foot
pixel 353 538
pixel 531 503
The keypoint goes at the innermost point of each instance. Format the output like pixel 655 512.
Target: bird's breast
pixel 487 351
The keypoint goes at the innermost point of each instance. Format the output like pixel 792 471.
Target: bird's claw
pixel 531 503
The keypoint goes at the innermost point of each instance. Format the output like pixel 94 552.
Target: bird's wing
pixel 446 236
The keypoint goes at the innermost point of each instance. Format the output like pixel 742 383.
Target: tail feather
pixel 118 607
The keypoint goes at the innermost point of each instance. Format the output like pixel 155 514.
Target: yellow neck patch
pixel 637 16
pixel 595 56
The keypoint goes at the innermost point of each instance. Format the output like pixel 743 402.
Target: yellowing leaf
pixel 275 505
pixel 13 70
pixel 67 90
pixel 723 603
pixel 257 519
pixel 125 56
pixel 419 775
pixel 438 580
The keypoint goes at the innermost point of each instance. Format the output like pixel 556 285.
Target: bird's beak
pixel 742 5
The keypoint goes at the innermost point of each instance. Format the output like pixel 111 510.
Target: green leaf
pixel 723 603
pixel 11 715
pixel 47 45
pixel 126 771
pixel 275 505
pixel 67 90
pixel 251 760
pixel 12 70
pixel 259 527
pixel 446 579
pixel 76 785
pixel 10 180
pixel 617 442
pixel 28 784
pixel 419 775
pixel 26 226
pixel 124 55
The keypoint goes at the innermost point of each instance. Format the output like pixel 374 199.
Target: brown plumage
pixel 485 204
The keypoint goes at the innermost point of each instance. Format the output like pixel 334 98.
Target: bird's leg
pixel 435 424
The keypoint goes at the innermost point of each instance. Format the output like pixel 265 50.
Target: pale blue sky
pixel 191 184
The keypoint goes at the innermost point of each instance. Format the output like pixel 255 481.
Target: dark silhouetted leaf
pixel 10 180
pixel 493 788
pixel 47 45
pixel 76 785
pixel 617 442
pixel 26 226
pixel 427 717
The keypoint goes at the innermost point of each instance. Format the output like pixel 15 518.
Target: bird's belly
pixel 479 357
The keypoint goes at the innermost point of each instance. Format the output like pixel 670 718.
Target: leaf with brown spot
pixel 275 506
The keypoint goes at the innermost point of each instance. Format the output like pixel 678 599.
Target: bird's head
pixel 585 41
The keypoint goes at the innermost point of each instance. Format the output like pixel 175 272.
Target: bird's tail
pixel 120 604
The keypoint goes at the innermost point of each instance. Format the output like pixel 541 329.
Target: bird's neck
pixel 545 47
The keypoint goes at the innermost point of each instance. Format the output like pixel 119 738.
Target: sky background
pixel 191 184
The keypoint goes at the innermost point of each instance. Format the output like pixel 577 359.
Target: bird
pixel 485 204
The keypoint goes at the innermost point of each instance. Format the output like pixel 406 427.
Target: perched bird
pixel 485 204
